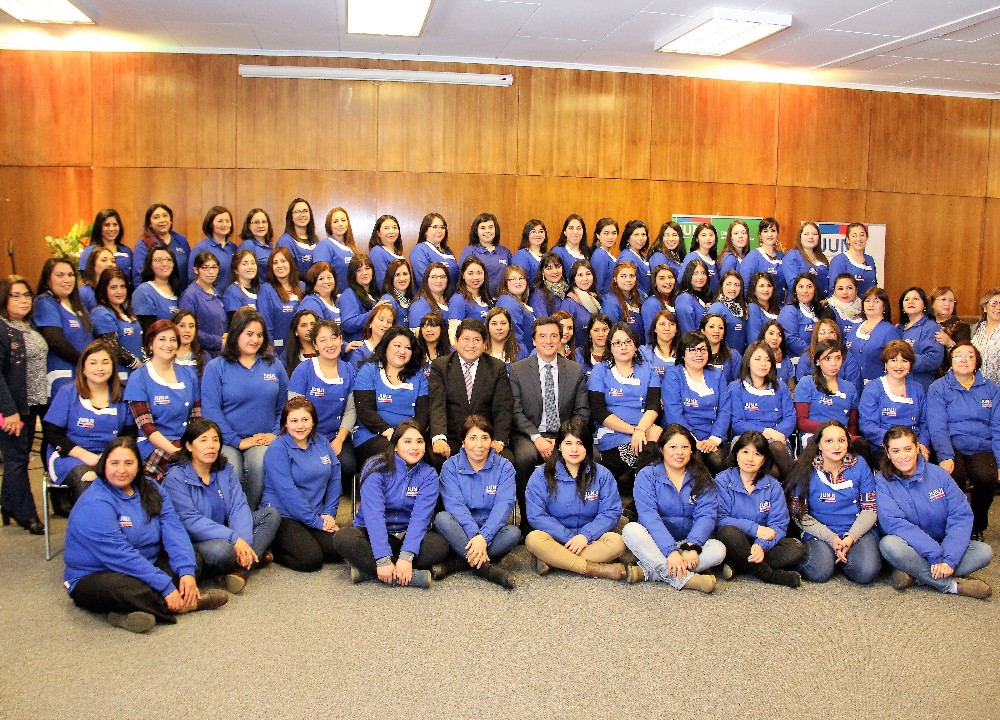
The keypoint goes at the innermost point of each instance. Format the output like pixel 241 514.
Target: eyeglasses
pixel 21 296
pixel 700 350
pixel 954 358
pixel 300 212
pixel 622 343
pixel 161 261
pixel 438 227
pixel 262 222
pixel 993 303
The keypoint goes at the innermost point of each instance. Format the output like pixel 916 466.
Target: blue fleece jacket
pixel 967 421
pixel 928 511
pixel 929 352
pixel 109 530
pixel 749 511
pixel 402 501
pixel 480 501
pixel 302 484
pixel 879 410
pixel 674 516
pixel 217 511
pixel 564 514
pixel 794 264
pixel 754 409
pixel 704 415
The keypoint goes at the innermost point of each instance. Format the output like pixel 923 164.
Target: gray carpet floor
pixel 314 645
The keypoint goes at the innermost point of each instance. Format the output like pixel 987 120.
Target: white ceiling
pixel 934 46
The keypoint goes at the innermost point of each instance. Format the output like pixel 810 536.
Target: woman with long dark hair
pixel 832 500
pixel 390 539
pixel 339 246
pixel 158 230
pixel 205 302
pixel 478 491
pixel 677 508
pixel 623 302
pixel 108 232
pixel 704 247
pixel 127 553
pixel 550 288
pixel 572 245
pixel 303 484
pixel 300 236
pixel 927 522
pixel 114 322
pixel 573 505
pixel 158 295
pixel 753 516
pixel 432 247
pixel 397 289
pixel 534 244
pixel 385 246
pixel 432 296
pixel 218 227
pixel 280 294
pixel 257 235
pixel 231 539
pixel 605 239
pixel 513 300
pixel 484 244
pixel 632 248
pixel 62 320
pixel 694 295
pixel 243 391
pixel 242 291
pixel 668 247
pixel 358 298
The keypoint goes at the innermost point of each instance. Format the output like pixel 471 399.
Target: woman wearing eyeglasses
pixel 697 397
pixel 985 336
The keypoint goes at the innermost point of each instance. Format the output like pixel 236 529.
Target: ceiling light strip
pixel 297 72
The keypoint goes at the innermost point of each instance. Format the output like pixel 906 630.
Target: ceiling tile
pixel 952 84
pixel 824 46
pixel 543 49
pixel 690 8
pixel 908 17
pixel 580 20
pixel 212 35
pixel 940 49
pixel 944 69
pixel 979 31
pixel 216 11
pixel 473 28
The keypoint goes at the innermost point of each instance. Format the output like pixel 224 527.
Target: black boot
pixel 451 564
pixel 496 574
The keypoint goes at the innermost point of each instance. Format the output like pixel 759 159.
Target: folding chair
pixel 49 486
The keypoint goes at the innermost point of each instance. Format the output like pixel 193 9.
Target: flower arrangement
pixel 72 243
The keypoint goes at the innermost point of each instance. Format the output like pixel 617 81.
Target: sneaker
pixel 788 578
pixel 137 622
pixel 726 572
pixel 902 580
pixel 236 581
pixel 974 588
pixel 541 567
pixel 634 574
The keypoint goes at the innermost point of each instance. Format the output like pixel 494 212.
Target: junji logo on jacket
pixel 590 496
pixel 412 491
pixel 491 489
pixel 936 494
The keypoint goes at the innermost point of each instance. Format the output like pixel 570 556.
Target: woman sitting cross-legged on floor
pixel 127 553
pixel 574 506
pixel 677 506
pixel 753 516
pixel 832 499
pixel 477 486
pixel 213 508
pixel 391 538
pixel 302 481
pixel 927 522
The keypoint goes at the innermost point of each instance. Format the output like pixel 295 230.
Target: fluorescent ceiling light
pixel 720 31
pixel 44 11
pixel 387 17
pixel 421 76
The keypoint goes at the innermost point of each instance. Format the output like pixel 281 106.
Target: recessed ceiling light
pixel 720 31
pixel 44 11
pixel 387 17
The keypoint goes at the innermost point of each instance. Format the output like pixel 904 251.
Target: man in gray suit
pixel 548 389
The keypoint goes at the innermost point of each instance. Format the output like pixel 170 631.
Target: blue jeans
pixel 249 468
pixel 654 563
pixel 15 489
pixel 503 542
pixel 898 553
pixel 219 556
pixel 863 560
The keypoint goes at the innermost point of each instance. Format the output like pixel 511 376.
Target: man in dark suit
pixel 548 390
pixel 468 382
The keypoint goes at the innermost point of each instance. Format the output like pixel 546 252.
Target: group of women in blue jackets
pixel 708 373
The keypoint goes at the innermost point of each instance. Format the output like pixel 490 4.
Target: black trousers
pixel 368 449
pixel 625 474
pixel 109 591
pixel 979 471
pixel 526 459
pixel 302 548
pixel 15 488
pixel 786 553
pixel 356 548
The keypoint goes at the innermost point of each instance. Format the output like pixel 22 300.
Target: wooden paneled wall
pixel 82 131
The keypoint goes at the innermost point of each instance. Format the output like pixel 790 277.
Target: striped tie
pixel 467 372
pixel 549 401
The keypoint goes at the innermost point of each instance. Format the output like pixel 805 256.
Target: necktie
pixel 467 372
pixel 549 402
